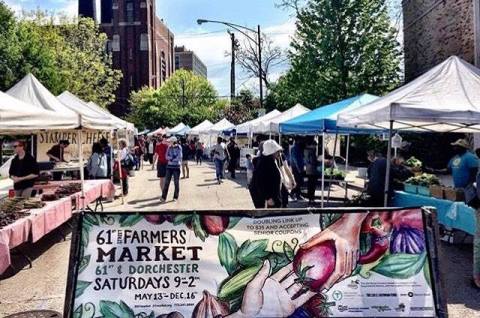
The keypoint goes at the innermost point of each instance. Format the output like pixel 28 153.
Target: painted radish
pixel 379 246
pixel 214 224
pixel 155 218
pixel 315 265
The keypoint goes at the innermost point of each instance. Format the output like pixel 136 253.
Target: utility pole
pixel 232 69
pixel 260 72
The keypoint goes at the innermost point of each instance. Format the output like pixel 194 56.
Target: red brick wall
pixel 435 30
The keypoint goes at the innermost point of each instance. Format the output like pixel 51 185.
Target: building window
pixel 129 11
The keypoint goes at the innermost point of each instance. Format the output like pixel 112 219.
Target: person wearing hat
pixel 266 185
pixel 174 161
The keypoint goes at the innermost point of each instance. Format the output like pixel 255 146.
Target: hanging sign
pixel 289 263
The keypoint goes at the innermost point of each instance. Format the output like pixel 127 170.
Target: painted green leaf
pixel 234 286
pixel 81 286
pixel 227 252
pixel 232 221
pixel 130 220
pixel 84 263
pixel 426 273
pixel 91 219
pixel 197 228
pixel 152 315
pixel 78 312
pixel 84 236
pixel 278 261
pixel 182 218
pixel 110 309
pixel 252 252
pixel 288 250
pixel 400 266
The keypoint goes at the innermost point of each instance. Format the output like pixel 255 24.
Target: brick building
pixel 436 29
pixel 188 60
pixel 142 46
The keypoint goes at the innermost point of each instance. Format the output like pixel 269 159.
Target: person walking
pixel 23 171
pixel 161 159
pixel 233 156
pixel 174 160
pixel 219 156
pixel 97 163
pixel 186 156
pixel 266 186
pixel 297 161
pixel 249 167
pixel 199 149
pixel 107 150
pixel 150 149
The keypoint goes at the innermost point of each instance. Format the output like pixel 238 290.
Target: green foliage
pixel 341 48
pixel 185 97
pixel 243 108
pixel 69 55
pixel 401 266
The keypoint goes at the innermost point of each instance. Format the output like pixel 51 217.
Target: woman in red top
pixel 161 159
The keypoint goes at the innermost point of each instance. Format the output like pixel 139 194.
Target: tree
pixel 185 97
pixel 341 48
pixel 243 108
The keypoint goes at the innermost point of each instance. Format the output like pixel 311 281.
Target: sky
pixel 209 41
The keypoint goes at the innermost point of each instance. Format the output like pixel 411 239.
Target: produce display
pixel 68 189
pixel 335 174
pixel 413 162
pixel 12 209
pixel 424 180
pixel 49 197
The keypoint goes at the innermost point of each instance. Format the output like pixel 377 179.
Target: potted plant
pixel 414 164
pixel 423 183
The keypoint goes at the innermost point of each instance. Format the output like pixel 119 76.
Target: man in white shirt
pixel 219 156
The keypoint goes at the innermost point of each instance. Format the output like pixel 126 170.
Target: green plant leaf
pixel 81 286
pixel 277 261
pixel 227 252
pixel 197 228
pixel 252 252
pixel 233 220
pixel 182 218
pixel 110 309
pixel 78 312
pixel 400 266
pixel 84 263
pixel 152 315
pixel 91 219
pixel 84 236
pixel 126 309
pixel 426 273
pixel 235 285
pixel 288 250
pixel 130 220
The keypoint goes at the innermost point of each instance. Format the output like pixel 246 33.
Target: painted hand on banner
pixel 345 233
pixel 267 296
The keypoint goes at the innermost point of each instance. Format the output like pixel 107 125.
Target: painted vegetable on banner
pixel 216 265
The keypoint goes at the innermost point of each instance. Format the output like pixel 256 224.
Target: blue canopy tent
pixel 323 120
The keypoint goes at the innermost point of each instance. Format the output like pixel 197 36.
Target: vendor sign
pixel 47 139
pixel 249 264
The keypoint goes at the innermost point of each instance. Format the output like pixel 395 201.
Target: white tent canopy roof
pixel 122 124
pixel 222 125
pixel 254 124
pixel 445 99
pixel 201 128
pixel 91 118
pixel 16 115
pixel 272 125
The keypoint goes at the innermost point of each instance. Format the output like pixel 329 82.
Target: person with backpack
pixel 174 159
pixel 97 165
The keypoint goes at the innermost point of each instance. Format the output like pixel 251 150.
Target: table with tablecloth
pixel 453 215
pixel 44 220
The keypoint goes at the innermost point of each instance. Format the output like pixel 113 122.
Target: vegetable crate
pixel 423 191
pixel 437 191
pixel 410 188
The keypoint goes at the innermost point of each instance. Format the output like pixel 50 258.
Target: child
pixel 249 165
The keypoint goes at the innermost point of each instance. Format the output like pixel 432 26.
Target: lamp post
pixel 257 41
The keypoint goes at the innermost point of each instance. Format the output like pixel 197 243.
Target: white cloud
pixel 211 47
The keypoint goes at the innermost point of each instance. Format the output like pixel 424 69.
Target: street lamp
pixel 258 42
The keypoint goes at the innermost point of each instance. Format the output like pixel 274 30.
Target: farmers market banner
pixel 289 263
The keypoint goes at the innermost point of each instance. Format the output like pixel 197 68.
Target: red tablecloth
pixel 42 221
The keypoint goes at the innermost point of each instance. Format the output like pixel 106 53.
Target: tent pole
pixel 334 164
pixel 80 164
pixel 389 159
pixel 323 166
pixel 346 155
pixel 120 174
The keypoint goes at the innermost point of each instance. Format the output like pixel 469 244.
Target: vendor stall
pixel 179 130
pixel 272 126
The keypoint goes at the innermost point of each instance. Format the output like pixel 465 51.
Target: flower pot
pixel 436 191
pixel 410 188
pixel 423 191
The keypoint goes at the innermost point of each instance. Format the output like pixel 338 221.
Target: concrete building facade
pixel 188 60
pixel 142 45
pixel 436 29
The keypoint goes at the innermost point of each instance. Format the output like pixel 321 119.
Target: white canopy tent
pixel 17 116
pixel 272 126
pixel 254 124
pixel 123 124
pixel 219 127
pixel 445 99
pixel 201 128
pixel 180 129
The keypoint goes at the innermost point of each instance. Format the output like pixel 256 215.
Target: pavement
pixel 43 285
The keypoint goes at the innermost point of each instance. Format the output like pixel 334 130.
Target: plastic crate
pixel 423 191
pixel 437 192
pixel 410 188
